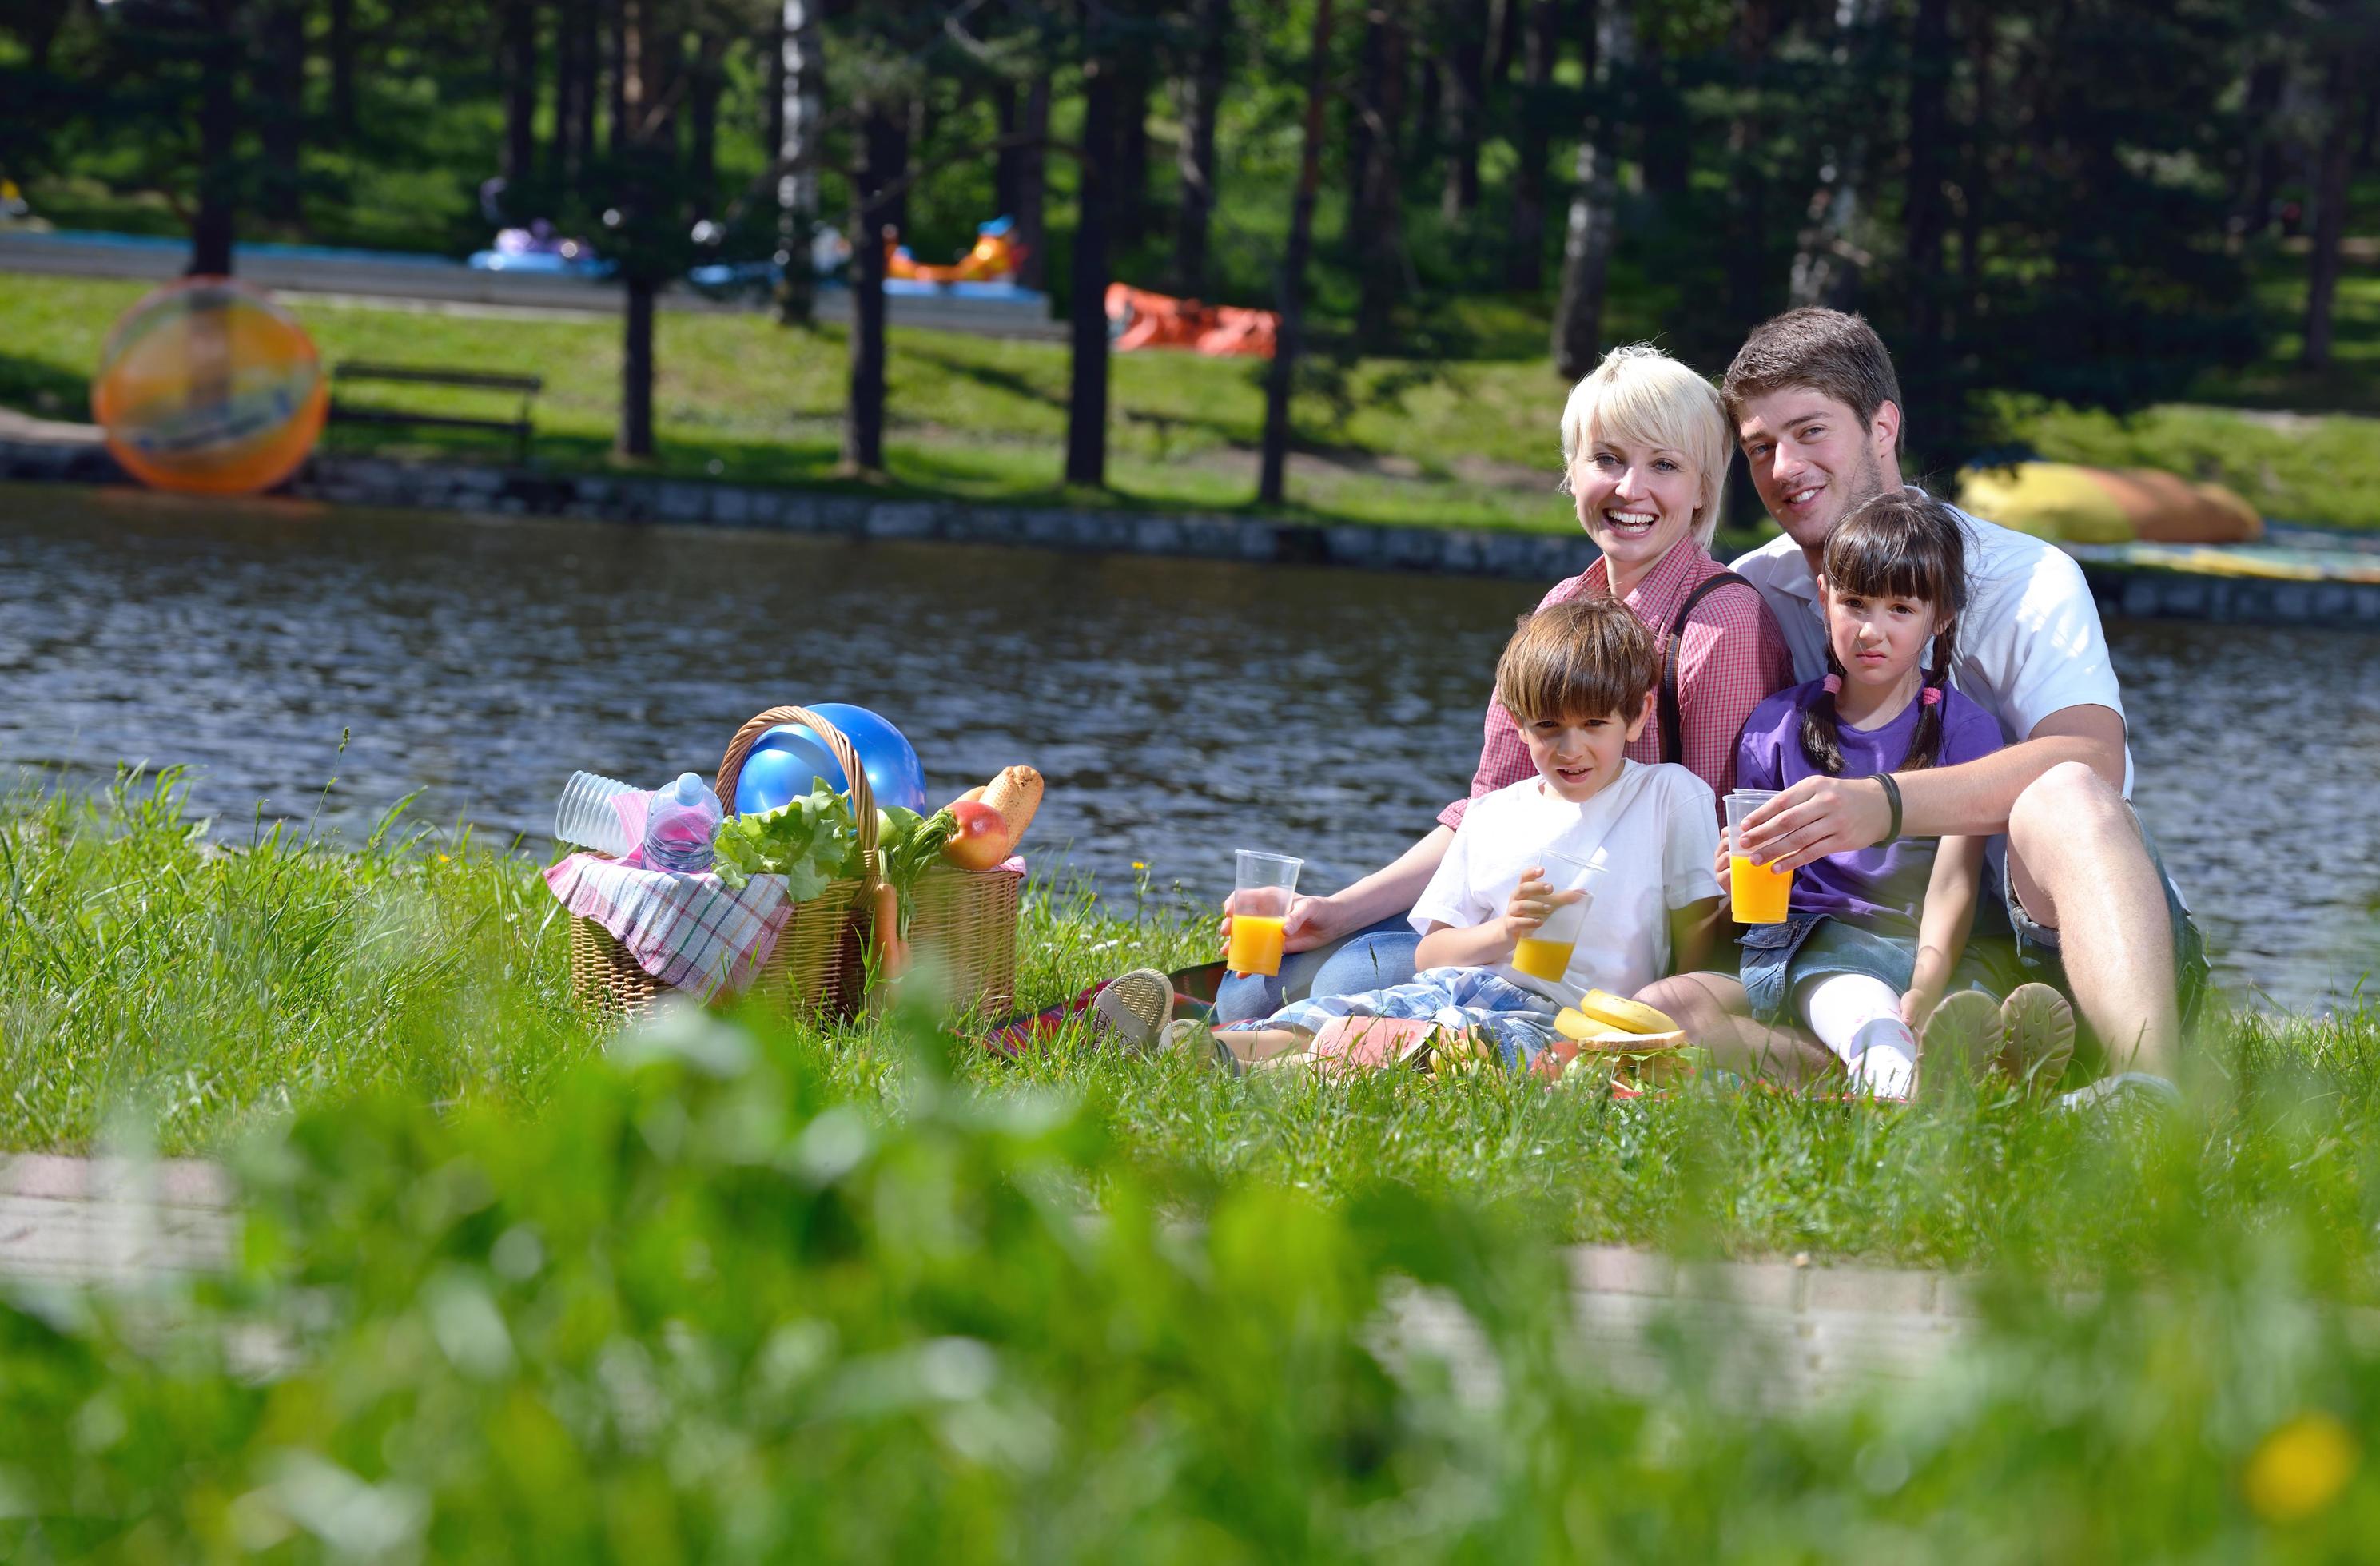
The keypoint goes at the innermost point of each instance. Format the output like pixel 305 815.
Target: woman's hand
pixel 1310 922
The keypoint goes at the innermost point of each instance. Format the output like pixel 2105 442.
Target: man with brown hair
pixel 1818 412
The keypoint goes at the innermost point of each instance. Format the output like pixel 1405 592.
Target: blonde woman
pixel 1645 445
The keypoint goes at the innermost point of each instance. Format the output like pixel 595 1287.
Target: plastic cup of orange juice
pixel 1545 952
pixel 1758 894
pixel 1259 903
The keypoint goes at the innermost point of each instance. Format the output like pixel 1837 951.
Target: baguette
pixel 1016 793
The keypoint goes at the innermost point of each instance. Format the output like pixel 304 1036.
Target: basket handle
pixel 863 798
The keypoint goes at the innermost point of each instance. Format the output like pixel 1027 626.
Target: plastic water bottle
pixel 679 827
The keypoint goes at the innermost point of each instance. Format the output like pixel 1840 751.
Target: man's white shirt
pixel 2030 643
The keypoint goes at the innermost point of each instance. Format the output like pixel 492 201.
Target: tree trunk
pixel 1274 461
pixel 1975 174
pixel 2329 209
pixel 574 89
pixel 1202 91
pixel 212 227
pixel 635 438
pixel 650 225
pixel 888 157
pixel 1380 203
pixel 1928 414
pixel 1007 103
pixel 341 44
pixel 281 104
pixel 616 135
pixel 519 53
pixel 1747 204
pixel 1087 397
pixel 1826 262
pixel 2261 166
pixel 1462 85
pixel 1033 187
pixel 1503 38
pixel 863 409
pixel 1524 262
pixel 702 123
pixel 1669 145
pixel 1595 194
pixel 801 107
pixel 1128 182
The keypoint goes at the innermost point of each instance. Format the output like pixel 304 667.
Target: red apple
pixel 982 841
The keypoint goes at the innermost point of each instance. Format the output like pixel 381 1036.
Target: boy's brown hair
pixel 1825 349
pixel 1588 657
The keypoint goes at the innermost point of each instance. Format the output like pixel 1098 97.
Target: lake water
pixel 1178 709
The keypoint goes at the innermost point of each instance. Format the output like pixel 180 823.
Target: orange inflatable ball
pixel 209 387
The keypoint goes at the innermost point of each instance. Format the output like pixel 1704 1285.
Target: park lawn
pixel 731 1288
pixel 208 978
pixel 1468 442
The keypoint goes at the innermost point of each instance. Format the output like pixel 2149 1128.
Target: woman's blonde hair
pixel 1640 396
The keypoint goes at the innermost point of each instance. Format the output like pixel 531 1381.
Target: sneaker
pixel 1132 1009
pixel 2038 1029
pixel 2127 1092
pixel 1962 1038
pixel 1198 1042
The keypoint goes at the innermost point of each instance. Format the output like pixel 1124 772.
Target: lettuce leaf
pixel 810 840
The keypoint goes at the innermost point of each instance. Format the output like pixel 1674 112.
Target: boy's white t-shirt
pixel 1650 833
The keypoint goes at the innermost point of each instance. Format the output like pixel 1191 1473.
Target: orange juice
pixel 1256 944
pixel 1548 960
pixel 1759 892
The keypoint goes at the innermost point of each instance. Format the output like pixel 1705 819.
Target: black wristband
pixel 1892 797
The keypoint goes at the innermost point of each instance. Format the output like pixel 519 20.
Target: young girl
pixel 1872 953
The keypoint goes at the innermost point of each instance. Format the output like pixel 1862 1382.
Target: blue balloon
pixel 771 777
pixel 893 774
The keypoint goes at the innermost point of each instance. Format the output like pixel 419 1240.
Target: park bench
pixel 529 386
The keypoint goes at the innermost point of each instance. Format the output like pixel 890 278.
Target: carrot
pixel 892 952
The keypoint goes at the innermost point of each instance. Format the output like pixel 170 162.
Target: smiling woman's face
pixel 1635 501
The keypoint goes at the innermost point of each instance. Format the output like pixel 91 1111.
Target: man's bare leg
pixel 1712 1011
pixel 2079 866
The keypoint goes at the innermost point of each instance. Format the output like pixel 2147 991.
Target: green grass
pixel 731 1290
pixel 1468 442
pixel 213 977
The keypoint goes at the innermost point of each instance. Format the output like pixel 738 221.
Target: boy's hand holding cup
pixel 1543 922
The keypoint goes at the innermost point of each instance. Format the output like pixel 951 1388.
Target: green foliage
pixel 810 840
pixel 725 1297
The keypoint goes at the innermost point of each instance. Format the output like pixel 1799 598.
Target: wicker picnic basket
pixel 816 969
pixel 965 921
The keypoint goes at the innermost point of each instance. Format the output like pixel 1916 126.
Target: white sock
pixel 1858 1017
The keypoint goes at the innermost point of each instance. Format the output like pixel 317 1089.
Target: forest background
pixel 2098 229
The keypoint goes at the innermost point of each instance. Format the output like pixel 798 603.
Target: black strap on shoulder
pixel 1673 745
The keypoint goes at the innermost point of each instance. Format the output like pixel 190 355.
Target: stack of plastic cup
pixel 587 816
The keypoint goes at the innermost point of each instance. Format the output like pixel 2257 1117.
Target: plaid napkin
pixel 690 931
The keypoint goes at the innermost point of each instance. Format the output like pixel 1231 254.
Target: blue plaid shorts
pixel 1520 1021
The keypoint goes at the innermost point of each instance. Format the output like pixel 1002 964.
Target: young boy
pixel 1579 678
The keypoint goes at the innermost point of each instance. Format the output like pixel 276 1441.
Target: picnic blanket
pixel 693 932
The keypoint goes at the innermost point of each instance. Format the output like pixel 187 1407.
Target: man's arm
pixel 1821 815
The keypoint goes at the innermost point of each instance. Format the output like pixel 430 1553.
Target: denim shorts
pixel 1778 959
pixel 1520 1021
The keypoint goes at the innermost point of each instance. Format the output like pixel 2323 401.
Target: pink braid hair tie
pixel 1834 685
pixel 1933 695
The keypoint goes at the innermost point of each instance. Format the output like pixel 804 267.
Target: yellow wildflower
pixel 2299 1468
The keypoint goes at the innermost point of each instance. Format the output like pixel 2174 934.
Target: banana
pixel 1608 1012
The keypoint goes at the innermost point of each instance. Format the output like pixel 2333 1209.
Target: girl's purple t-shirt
pixel 1885 884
